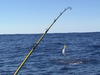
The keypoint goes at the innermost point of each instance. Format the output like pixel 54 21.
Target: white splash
pixel 76 63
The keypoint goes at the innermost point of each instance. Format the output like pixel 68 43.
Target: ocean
pixel 82 55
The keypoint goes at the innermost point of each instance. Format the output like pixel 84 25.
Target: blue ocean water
pixel 82 54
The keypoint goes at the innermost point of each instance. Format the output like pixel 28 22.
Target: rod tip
pixel 68 8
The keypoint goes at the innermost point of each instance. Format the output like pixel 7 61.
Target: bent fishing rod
pixel 38 42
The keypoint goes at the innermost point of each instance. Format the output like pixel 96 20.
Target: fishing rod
pixel 38 42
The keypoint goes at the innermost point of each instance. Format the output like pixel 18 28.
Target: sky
pixel 35 16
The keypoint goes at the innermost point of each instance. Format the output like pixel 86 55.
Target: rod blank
pixel 38 42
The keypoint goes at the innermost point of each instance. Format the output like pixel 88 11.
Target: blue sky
pixel 34 16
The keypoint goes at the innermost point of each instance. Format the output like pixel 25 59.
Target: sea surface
pixel 82 55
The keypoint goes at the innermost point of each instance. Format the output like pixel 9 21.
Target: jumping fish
pixel 63 50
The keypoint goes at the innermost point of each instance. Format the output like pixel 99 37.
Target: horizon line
pixel 47 33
